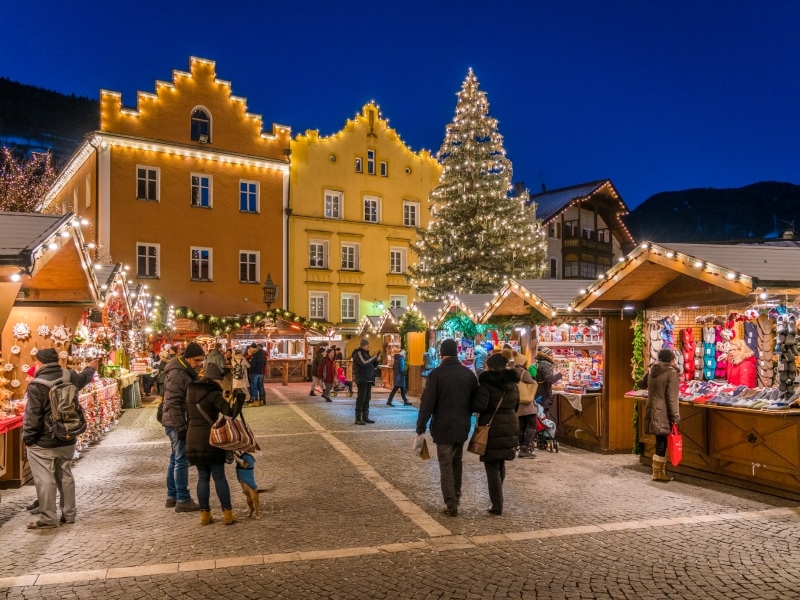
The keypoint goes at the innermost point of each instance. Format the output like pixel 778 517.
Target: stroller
pixel 346 387
pixel 545 432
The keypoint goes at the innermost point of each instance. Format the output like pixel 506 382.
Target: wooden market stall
pixel 472 306
pixel 688 284
pixel 419 342
pixel 286 342
pixel 383 334
pixel 592 352
pixel 46 287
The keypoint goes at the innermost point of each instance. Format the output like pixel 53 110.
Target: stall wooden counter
pixel 753 449
pixel 286 369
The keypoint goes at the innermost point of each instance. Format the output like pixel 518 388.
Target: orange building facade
pixel 187 191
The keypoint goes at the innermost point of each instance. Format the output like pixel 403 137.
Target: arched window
pixel 201 126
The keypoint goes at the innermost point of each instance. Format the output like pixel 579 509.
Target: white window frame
pixel 384 168
pixel 348 317
pixel 248 183
pixel 157 172
pixel 410 204
pixel 210 189
pixel 210 259
pixel 318 245
pixel 157 274
pixel 377 201
pixel 359 164
pixel 334 204
pixel 370 162
pixel 403 255
pixel 353 255
pixel 315 301
pixel 398 301
pixel 256 262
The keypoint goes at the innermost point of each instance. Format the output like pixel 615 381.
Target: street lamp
pixel 270 291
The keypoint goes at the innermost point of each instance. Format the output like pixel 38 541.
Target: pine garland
pixel 637 363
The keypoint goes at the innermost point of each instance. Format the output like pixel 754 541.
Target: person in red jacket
pixel 741 365
pixel 327 372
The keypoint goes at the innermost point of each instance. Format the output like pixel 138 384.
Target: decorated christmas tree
pixel 478 236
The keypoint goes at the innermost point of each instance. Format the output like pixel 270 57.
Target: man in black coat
pixel 50 458
pixel 179 373
pixel 364 376
pixel 447 403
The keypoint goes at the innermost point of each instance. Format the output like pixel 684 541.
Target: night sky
pixel 657 96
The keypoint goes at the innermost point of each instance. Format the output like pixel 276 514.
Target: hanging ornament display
pixel 21 331
pixel 8 367
pixel 15 350
pixel 43 330
pixel 60 334
pixel 15 383
pixel 34 351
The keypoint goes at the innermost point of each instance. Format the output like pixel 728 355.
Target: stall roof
pixel 473 305
pixel 680 272
pixel 389 318
pixel 369 324
pixel 430 311
pixel 112 279
pixel 49 254
pixel 548 296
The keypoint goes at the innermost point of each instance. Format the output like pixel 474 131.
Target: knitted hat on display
pixel 213 372
pixel 545 351
pixel 448 348
pixel 47 355
pixel 193 350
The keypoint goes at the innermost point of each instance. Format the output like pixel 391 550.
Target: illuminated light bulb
pixel 731 275
pixel 52 246
pixel 763 295
pixel 698 263
pixel 16 277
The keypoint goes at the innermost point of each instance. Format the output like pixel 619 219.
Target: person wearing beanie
pixel 158 372
pixel 205 402
pixel 662 410
pixel 545 377
pixel 447 403
pixel 178 374
pixel 50 458
pixel 364 376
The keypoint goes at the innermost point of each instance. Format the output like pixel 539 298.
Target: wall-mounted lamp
pixel 378 304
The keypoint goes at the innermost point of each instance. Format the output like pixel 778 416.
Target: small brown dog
pixel 245 474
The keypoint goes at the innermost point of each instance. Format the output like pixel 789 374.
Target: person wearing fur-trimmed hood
pixel 497 400
pixel 662 409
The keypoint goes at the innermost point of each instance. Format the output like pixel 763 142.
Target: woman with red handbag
pixel 662 410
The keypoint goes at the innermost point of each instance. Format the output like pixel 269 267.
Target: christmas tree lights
pixel 478 236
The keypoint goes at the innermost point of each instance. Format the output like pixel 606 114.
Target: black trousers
pixel 527 429
pixel 661 445
pixel 495 475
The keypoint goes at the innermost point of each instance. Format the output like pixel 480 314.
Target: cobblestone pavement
pixel 351 513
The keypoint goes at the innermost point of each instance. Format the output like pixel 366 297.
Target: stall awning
pixel 389 318
pixel 430 311
pixel 547 296
pixel 44 256
pixel 472 305
pixel 672 274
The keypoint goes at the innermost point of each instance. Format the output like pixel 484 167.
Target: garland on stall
pixel 220 325
pixel 461 322
pixel 637 364
pixel 410 321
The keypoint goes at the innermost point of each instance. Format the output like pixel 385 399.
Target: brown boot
pixel 228 517
pixel 205 517
pixel 660 469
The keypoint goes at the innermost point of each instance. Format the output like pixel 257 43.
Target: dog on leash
pixel 246 475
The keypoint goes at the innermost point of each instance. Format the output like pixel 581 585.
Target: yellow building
pixel 357 200
pixel 187 190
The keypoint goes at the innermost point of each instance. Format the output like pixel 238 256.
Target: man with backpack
pixel 53 421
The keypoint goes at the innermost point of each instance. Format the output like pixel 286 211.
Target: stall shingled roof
pixel 675 272
pixel 389 318
pixel 430 311
pixel 548 296
pixel 473 305
pixel 369 324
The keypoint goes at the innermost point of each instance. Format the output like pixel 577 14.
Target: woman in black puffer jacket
pixel 210 461
pixel 498 384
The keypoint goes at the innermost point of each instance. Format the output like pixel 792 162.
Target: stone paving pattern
pixel 575 525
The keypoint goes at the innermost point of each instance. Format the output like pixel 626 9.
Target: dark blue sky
pixel 655 95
